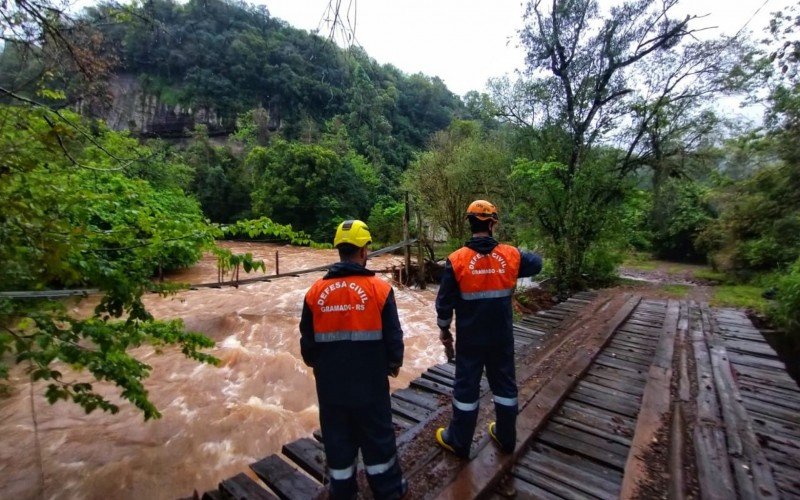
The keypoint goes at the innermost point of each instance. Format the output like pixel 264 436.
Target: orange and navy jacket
pixel 478 282
pixel 350 335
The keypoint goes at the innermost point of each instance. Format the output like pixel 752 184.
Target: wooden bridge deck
pixel 664 396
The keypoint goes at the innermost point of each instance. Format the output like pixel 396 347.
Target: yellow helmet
pixel 482 210
pixel 354 232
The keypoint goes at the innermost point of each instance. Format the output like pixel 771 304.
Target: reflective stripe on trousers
pixel 488 294
pixel 465 406
pixel 342 474
pixel 376 469
pixel 348 335
pixel 505 401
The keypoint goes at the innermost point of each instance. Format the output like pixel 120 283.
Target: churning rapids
pixel 216 420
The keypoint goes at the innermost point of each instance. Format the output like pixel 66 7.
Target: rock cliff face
pixel 143 114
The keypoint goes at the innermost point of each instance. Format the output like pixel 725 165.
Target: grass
pixel 711 275
pixel 640 262
pixel 740 296
pixel 676 291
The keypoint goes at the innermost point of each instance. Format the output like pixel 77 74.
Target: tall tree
pixel 462 163
pixel 591 71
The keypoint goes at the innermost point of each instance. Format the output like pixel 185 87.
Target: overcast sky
pixel 466 42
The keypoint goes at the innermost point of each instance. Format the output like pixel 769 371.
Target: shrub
pixel 786 311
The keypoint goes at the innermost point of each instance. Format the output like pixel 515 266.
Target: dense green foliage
pixel 787 306
pixel 566 215
pixel 463 163
pixel 684 212
pixel 72 218
pixel 231 57
pixel 309 186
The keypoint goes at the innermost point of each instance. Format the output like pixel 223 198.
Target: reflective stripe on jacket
pixel 486 276
pixel 348 308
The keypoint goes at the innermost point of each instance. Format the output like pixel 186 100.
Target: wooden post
pixel 406 249
pixel 277 264
pixel 421 278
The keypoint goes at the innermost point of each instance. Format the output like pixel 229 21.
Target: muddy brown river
pixel 216 420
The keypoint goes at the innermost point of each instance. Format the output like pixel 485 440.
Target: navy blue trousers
pixel 345 430
pixel 470 362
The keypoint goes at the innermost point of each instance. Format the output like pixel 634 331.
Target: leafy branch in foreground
pixel 63 226
pixel 264 227
pixel 99 347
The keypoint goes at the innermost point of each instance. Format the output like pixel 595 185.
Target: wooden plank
pixel 623 407
pixel 593 423
pixel 755 362
pixel 751 469
pixel 598 440
pixel 764 425
pixel 768 406
pixel 527 490
pixel 622 364
pixel 611 372
pixel 579 442
pixel 602 413
pixel 782 452
pixel 626 368
pixel 556 488
pixel 646 346
pixel 614 380
pixel 446 368
pixel 212 495
pixel 286 481
pixel 309 455
pixel 530 331
pixel 610 434
pixel 435 377
pixel 713 466
pixel 655 405
pixel 419 398
pixel 579 479
pixel 749 347
pixel 479 475
pixel 789 484
pixel 401 423
pixel 606 391
pixel 767 377
pixel 629 355
pixel 409 411
pixel 618 384
pixel 579 462
pixel 633 358
pixel 431 386
pixel 241 487
pixel 755 386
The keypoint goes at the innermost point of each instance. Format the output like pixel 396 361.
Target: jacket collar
pixel 342 269
pixel 482 244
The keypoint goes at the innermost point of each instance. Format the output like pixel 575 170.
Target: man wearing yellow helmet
pixel 478 283
pixel 351 337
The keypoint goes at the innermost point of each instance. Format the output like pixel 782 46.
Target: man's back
pixel 478 284
pixel 343 335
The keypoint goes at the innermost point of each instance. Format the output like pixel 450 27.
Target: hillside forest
pixel 607 145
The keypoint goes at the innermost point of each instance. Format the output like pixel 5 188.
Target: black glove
pixel 394 370
pixel 447 341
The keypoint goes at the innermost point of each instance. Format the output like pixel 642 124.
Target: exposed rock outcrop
pixel 144 114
